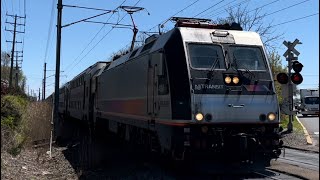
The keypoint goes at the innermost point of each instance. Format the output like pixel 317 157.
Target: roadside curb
pixel 306 134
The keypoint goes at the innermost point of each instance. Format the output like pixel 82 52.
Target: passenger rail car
pixel 198 89
pixel 76 95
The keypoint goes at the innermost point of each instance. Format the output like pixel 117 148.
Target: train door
pixel 152 97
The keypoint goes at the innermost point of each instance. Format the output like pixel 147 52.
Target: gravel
pixel 297 140
pixel 36 164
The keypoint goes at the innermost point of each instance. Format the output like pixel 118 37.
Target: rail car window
pixel 248 57
pixel 163 85
pixel 206 56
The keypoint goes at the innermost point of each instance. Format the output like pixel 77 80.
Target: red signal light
pixel 296 78
pixel 282 78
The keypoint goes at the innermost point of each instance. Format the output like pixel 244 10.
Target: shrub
pixel 12 109
pixel 37 120
pixel 12 132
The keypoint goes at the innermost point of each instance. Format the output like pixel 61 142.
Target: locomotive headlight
pixel 235 80
pixel 271 116
pixel 199 116
pixel 227 79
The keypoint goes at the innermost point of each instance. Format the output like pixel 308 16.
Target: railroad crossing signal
pixel 293 63
pixel 296 78
pixel 290 47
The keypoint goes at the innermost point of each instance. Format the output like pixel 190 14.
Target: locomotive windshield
pixel 248 57
pixel 206 56
pixel 249 61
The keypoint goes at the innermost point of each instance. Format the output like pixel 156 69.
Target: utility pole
pixel 57 75
pixel 17 69
pixel 39 96
pixel 44 82
pixel 12 52
pixel 13 44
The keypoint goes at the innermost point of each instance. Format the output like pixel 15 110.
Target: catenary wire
pixel 208 8
pixel 92 39
pixel 100 40
pixel 174 14
pixel 304 17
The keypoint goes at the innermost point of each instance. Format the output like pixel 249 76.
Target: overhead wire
pixel 288 7
pixel 102 38
pixel 3 26
pixel 174 14
pixel 219 12
pixel 263 6
pixel 49 31
pixel 208 8
pixel 304 17
pixel 12 6
pixel 94 37
pixel 217 8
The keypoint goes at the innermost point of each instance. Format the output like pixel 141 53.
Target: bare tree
pixel 5 65
pixel 253 20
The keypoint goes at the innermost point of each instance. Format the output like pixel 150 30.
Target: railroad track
pixel 41 142
pixel 276 175
pixel 300 162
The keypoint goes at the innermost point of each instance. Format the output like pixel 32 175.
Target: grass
pixel 296 125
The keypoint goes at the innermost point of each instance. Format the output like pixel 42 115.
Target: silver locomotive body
pixel 159 90
pixel 191 91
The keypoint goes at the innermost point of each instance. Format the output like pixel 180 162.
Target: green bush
pixel 12 109
pixel 13 135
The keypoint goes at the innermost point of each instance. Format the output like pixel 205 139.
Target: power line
pixel 96 44
pixel 93 38
pixel 89 43
pixel 49 31
pixel 295 20
pixel 5 5
pixel 81 7
pixel 286 8
pixel 217 13
pixel 5 35
pixel 218 8
pixel 24 4
pixel 102 38
pixel 263 6
pixel 175 14
pixel 209 8
pixel 12 6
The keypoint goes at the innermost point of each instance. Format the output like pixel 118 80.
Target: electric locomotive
pixel 199 88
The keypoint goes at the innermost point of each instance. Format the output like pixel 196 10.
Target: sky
pixel 84 43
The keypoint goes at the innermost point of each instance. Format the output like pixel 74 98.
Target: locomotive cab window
pixel 248 57
pixel 206 56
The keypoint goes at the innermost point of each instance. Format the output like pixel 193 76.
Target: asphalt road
pixel 311 123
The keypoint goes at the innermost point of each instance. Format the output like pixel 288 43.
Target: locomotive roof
pixel 189 34
pixel 88 69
